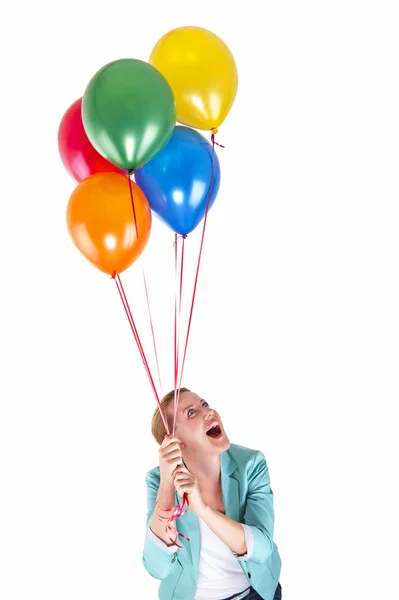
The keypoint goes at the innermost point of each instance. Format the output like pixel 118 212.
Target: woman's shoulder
pixel 243 456
pixel 249 462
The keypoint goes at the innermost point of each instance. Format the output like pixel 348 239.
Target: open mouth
pixel 214 431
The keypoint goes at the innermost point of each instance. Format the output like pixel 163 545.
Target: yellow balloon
pixel 202 73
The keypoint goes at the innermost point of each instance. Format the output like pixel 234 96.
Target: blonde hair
pixel 157 426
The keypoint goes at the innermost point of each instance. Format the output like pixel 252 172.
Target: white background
pixel 295 331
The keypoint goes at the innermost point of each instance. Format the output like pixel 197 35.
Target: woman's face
pixel 198 425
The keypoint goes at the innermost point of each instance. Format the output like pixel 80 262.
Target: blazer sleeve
pixel 259 510
pixel 158 558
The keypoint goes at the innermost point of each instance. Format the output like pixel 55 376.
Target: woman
pixel 230 553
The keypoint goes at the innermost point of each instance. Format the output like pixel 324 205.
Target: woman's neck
pixel 206 470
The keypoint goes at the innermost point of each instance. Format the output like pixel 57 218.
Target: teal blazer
pixel 248 499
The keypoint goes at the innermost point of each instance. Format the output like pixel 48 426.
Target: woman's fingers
pixel 179 479
pixel 175 452
pixel 169 457
pixel 182 469
pixel 185 488
pixel 182 477
pixel 169 444
pixel 169 439
pixel 183 482
pixel 171 448
pixel 174 463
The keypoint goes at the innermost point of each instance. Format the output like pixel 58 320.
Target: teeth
pixel 214 424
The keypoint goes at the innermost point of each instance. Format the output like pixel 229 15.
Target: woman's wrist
pixel 203 511
pixel 166 484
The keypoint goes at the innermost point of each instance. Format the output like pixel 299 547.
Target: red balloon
pixel 79 156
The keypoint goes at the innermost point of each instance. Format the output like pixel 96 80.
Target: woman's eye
pixel 205 404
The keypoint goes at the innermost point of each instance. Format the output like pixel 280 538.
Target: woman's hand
pixel 185 482
pixel 169 458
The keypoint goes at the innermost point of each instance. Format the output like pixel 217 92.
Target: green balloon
pixel 128 112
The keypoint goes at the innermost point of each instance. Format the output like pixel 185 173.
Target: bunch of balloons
pixel 125 125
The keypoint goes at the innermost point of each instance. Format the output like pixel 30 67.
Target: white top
pixel 219 572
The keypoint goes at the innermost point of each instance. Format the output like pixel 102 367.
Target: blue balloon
pixel 176 181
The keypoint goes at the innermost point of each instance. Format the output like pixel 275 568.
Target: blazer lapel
pixel 230 486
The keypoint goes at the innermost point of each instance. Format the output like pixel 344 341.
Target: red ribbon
pixel 178 511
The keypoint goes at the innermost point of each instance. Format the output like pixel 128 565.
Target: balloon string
pixel 129 315
pixel 180 509
pixel 152 332
pixel 214 131
pixel 145 282
pixel 175 352
pixel 178 303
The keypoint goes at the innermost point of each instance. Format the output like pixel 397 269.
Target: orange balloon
pixel 101 221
